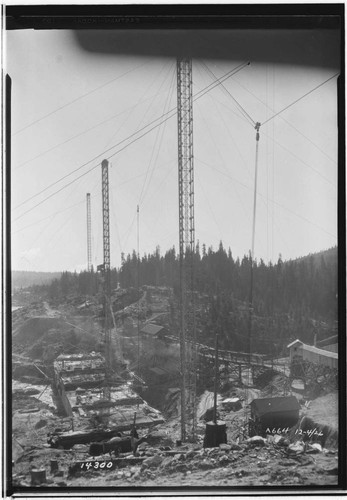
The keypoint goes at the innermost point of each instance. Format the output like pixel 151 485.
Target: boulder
pixel 234 446
pixel 296 448
pixel 314 448
pixel 224 447
pixel 166 462
pixel 142 448
pixel 256 440
pixel 152 462
pixel 181 468
pixel 205 465
pixel 280 440
pixel 224 459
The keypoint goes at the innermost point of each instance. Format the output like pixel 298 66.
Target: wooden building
pixel 300 351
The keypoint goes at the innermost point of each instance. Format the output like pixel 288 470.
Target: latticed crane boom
pixel 106 272
pixel 186 243
pixel 89 234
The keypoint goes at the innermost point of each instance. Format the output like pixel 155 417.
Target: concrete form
pixel 79 380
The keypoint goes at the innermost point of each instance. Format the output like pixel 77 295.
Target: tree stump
pixel 215 434
pixel 54 466
pixel 38 476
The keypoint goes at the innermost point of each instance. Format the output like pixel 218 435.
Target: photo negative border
pixel 192 17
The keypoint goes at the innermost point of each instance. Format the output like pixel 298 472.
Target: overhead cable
pixel 78 99
pixel 80 134
pixel 169 114
pixel 249 118
pixel 272 201
pixel 300 98
pixel 286 121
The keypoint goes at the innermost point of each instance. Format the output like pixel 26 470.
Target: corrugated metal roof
pixel 152 329
pixel 275 405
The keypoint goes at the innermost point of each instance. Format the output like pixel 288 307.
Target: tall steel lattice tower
pixel 89 234
pixel 187 246
pixel 106 270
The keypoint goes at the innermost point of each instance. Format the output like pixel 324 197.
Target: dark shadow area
pixel 293 47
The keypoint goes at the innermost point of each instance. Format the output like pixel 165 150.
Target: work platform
pixel 79 381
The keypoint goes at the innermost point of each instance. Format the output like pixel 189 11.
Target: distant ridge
pixel 25 279
pixel 329 255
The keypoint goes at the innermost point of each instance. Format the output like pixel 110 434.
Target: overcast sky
pixel 72 106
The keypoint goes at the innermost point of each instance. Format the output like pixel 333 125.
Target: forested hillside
pixel 24 279
pixel 304 285
pixel 292 299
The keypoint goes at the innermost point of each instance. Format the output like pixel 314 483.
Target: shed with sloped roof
pixel 277 412
pixel 153 330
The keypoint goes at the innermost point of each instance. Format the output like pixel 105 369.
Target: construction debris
pixel 281 454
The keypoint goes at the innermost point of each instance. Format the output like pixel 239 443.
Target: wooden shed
pixel 320 356
pixel 273 413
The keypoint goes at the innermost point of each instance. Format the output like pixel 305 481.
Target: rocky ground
pixel 162 461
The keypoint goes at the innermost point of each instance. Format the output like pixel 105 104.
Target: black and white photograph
pixel 172 184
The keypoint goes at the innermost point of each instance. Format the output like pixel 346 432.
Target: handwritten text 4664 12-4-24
pixel 285 430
